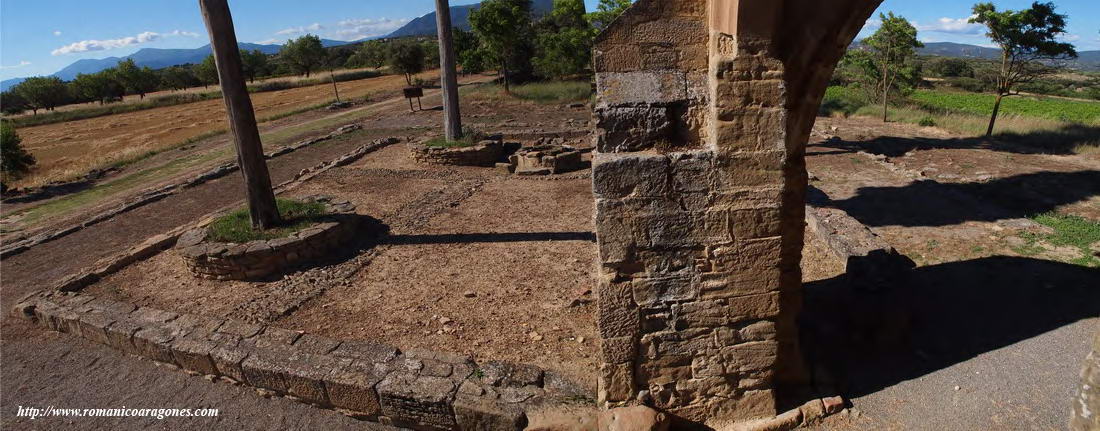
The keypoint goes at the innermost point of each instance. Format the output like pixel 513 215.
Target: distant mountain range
pixel 460 18
pixel 155 58
pixel 1086 60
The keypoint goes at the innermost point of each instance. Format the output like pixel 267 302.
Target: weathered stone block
pixel 193 353
pixel 418 401
pixel 351 385
pixel 618 350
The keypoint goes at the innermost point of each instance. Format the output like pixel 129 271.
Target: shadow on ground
pixel 1058 141
pixel 931 203
pixel 938 316
pixel 467 238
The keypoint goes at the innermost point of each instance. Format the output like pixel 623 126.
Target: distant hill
pixel 460 17
pixel 1086 60
pixel 155 58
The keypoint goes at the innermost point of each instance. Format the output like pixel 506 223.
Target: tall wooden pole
pixel 238 106
pixel 452 119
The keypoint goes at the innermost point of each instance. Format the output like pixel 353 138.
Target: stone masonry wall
pixel 689 240
pixel 699 182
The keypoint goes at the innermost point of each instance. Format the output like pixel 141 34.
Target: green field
pixel 1073 111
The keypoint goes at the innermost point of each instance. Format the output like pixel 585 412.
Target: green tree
pixel 406 57
pixel 894 50
pixel 431 53
pixel 12 103
pixel 136 80
pixel 564 41
pixel 254 63
pixel 42 92
pixel 503 26
pixel 951 68
pixel 14 160
pixel 100 86
pixel 606 12
pixel 304 54
pixel 178 78
pixel 207 71
pixel 371 53
pixel 468 51
pixel 1027 39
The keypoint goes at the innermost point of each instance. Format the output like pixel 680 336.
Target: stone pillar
pixel 1086 407
pixel 700 181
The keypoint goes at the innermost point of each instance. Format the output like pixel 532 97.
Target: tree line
pixel 506 37
pixel 886 65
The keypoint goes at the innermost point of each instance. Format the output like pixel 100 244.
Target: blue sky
pixel 39 37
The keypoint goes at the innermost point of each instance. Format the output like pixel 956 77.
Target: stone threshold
pixel 417 389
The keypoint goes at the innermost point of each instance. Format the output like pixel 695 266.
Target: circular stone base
pixel 484 154
pixel 263 258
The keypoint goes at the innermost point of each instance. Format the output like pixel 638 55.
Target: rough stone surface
pixel 545 160
pixel 484 153
pixel 703 110
pixel 636 418
pixel 870 262
pixel 264 258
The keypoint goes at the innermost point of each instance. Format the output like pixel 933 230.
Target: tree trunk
pixel 504 70
pixel 996 109
pixel 452 118
pixel 334 88
pixel 885 99
pixel 242 119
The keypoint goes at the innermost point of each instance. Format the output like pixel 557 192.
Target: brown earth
pixel 522 247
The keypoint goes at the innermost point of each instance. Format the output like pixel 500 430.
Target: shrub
pixel 927 122
pixel 841 100
pixel 236 227
pixel 14 160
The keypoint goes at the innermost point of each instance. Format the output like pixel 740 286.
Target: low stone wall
pixel 870 262
pixel 415 389
pixel 258 259
pixel 485 154
pixel 545 160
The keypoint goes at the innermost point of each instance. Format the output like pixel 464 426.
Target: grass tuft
pixel 1069 231
pixel 236 227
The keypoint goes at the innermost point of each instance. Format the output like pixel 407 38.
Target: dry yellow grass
pixel 68 150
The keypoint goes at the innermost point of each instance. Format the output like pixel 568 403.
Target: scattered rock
pixel 535 336
pixel 470 294
pixel 833 405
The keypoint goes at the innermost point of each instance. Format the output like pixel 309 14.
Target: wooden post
pixel 242 120
pixel 452 118
pixel 336 90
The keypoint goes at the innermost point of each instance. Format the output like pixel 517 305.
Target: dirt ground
pixel 489 265
pixel 74 147
pixel 475 262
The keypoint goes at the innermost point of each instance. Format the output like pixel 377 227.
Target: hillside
pixel 460 18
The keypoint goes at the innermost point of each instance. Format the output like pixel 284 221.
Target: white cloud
pixel 182 33
pixel 23 63
pixel 355 29
pixel 953 26
pixel 301 29
pixel 57 32
pixel 1067 37
pixel 271 41
pixel 102 45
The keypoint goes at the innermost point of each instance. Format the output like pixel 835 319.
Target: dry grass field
pixel 70 149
